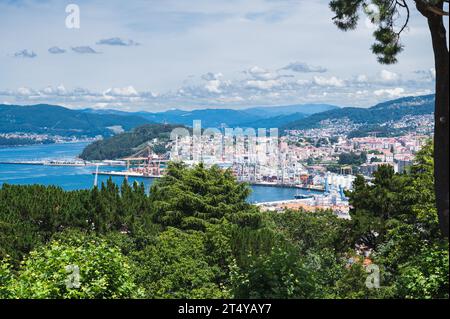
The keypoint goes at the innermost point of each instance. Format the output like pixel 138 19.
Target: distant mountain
pixel 307 109
pixel 380 113
pixel 209 117
pixel 128 143
pixel 52 119
pixel 274 122
pixel 264 116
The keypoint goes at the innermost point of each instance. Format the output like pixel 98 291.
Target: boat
pixel 303 196
pixel 64 163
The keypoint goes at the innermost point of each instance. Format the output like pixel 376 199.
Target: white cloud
pixel 427 75
pixel 213 86
pixel 263 85
pixel 23 91
pixel 259 73
pixel 390 93
pixel 362 78
pixel 211 76
pixel 124 92
pixel 332 81
pixel 255 86
pixel 302 67
pixel 388 76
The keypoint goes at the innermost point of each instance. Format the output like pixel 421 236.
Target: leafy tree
pixel 352 158
pixel 177 266
pixel 128 143
pixel 374 206
pixel 313 231
pixel 6 277
pixel 375 160
pixel 426 274
pixel 193 198
pixel 387 47
pixel 30 215
pixel 397 217
pixel 74 269
pixel 279 274
pixel 195 236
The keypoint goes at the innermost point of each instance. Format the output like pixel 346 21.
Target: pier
pixel 80 163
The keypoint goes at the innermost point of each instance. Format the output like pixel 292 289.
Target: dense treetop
pixel 195 236
pixel 128 143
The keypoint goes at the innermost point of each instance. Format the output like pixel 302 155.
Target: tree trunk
pixel 441 119
pixel 441 129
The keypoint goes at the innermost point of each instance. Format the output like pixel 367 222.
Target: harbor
pixel 71 178
pixel 45 165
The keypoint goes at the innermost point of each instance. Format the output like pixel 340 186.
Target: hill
pixel 58 120
pixel 273 111
pixel 264 116
pixel 274 122
pixel 381 113
pixel 128 143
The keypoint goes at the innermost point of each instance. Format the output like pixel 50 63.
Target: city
pixel 224 158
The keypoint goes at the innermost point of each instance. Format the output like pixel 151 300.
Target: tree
pixel 193 198
pixel 177 266
pixel 396 216
pixel 278 274
pixel 6 277
pixel 77 268
pixel 387 46
pixel 374 206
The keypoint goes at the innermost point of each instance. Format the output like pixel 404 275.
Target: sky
pixel 156 55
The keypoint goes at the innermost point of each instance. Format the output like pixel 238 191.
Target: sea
pixel 75 177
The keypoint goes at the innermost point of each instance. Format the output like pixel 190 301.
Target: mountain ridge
pixel 379 113
pixel 59 120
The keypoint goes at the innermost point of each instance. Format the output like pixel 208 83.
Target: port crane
pixel 148 163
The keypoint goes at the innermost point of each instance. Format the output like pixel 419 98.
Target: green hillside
pixel 58 120
pixel 380 113
pixel 125 144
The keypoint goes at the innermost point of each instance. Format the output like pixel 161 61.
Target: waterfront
pixel 75 177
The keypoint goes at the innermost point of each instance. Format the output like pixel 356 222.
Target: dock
pixel 126 174
pixel 77 163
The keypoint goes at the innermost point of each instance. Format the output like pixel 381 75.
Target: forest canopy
pixel 196 236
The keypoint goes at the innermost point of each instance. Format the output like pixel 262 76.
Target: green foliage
pixel 74 269
pixel 30 215
pixel 397 217
pixel 193 198
pixel 278 274
pixel 374 206
pixel 426 275
pixel 379 130
pixel 128 143
pixel 177 266
pixel 16 141
pixel 387 34
pixel 313 231
pixel 372 117
pixel 195 236
pixel 58 120
pixel 6 277
pixel 352 158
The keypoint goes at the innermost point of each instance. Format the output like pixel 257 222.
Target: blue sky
pixel 156 55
